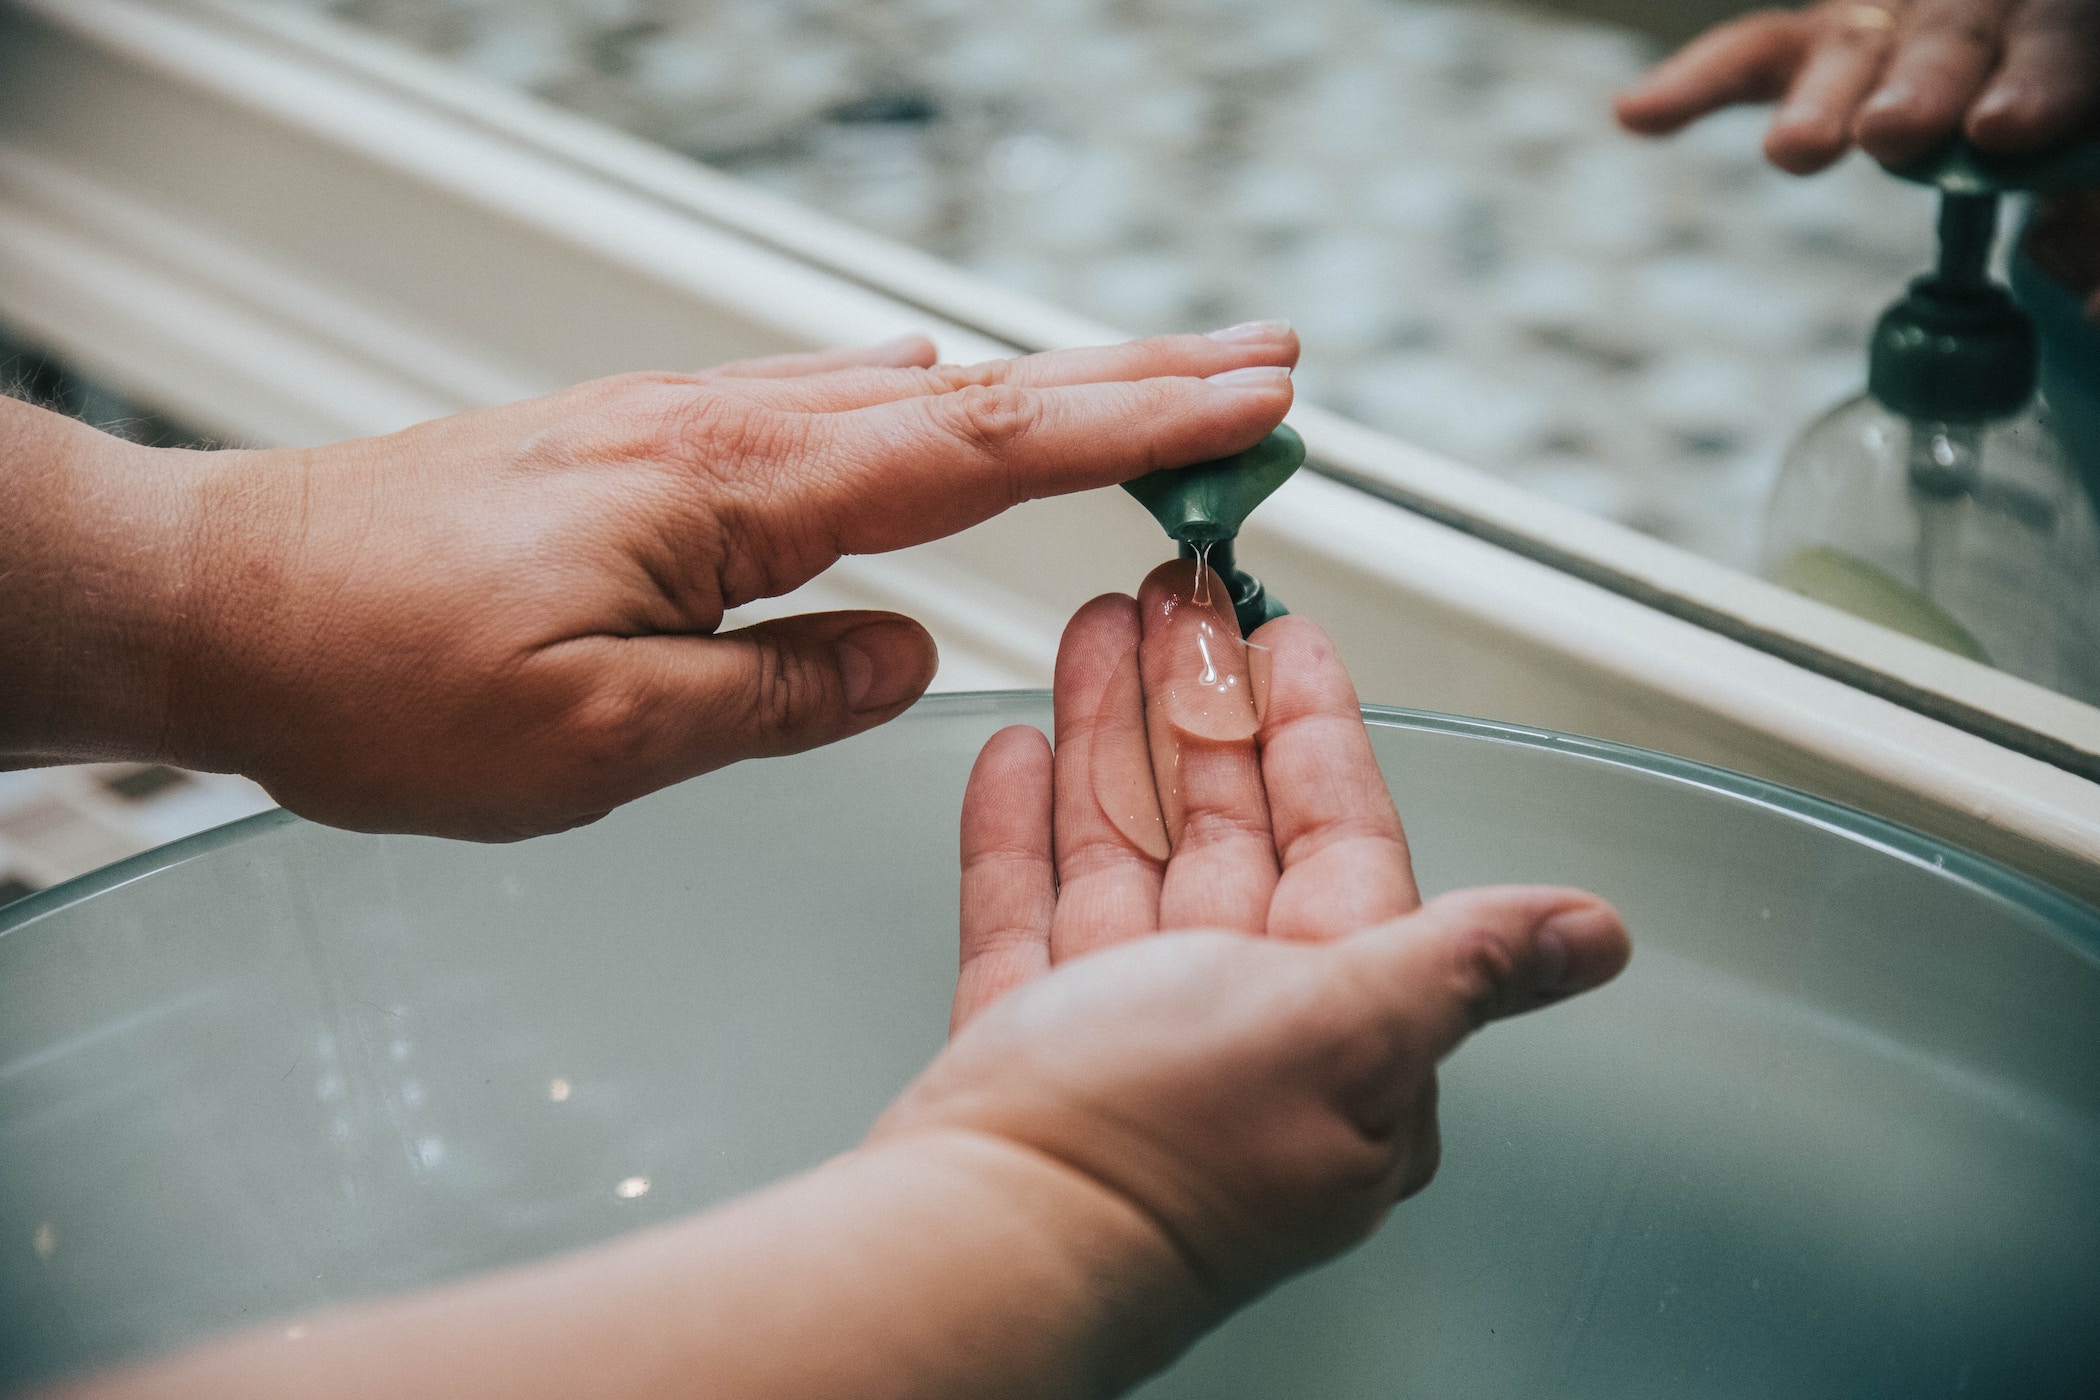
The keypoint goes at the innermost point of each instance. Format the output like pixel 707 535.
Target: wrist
pixel 93 576
pixel 1109 1296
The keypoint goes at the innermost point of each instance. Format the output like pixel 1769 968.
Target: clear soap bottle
pixel 1941 502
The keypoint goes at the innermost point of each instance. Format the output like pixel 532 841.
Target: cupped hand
pixel 504 623
pixel 1289 831
pixel 1262 1088
pixel 1896 77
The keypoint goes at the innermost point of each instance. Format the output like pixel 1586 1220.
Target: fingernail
pixel 879 671
pixel 1253 377
pixel 1247 332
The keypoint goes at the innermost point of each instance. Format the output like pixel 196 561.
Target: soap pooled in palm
pixel 1193 691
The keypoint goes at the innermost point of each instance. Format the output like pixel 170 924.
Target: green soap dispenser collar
pixel 1209 501
pixel 1202 507
pixel 1955 349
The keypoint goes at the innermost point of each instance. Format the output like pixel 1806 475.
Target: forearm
pixel 951 1265
pixel 92 533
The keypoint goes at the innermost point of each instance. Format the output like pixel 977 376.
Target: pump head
pixel 1202 507
pixel 1955 349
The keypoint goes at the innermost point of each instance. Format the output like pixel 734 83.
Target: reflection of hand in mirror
pixel 1896 77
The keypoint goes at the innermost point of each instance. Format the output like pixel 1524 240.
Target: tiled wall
pixel 1435 193
pixel 56 823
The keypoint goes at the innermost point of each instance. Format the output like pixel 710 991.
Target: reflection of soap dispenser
pixel 1940 502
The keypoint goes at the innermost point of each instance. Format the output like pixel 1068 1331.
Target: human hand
pixel 503 623
pixel 1897 77
pixel 1264 1089
pixel 1109 1156
pixel 1047 874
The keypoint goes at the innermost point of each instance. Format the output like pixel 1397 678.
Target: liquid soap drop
pixel 1198 682
pixel 1121 761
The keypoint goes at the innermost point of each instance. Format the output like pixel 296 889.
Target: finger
pixel 1945 51
pixel 2047 85
pixel 902 473
pixel 1009 885
pixel 1468 958
pixel 1813 126
pixel 1344 855
pixel 654 710
pixel 1254 343
pixel 1108 883
pixel 1748 60
pixel 904 351
pixel 1200 725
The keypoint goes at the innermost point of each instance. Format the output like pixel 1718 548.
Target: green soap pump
pixel 1941 502
pixel 1202 508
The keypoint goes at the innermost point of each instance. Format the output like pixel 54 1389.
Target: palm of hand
pixel 1263 1089
pixel 1290 834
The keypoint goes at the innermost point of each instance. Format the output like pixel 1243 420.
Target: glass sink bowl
pixel 1836 1132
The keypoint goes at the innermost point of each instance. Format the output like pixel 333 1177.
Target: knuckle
pixel 610 731
pixel 954 378
pixel 724 434
pixel 992 418
pixel 785 691
pixel 1005 937
pixel 607 727
pixel 1484 969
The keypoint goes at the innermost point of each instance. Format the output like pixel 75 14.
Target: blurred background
pixel 1479 261
pixel 1435 193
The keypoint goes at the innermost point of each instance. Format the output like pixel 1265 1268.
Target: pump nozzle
pixel 1956 349
pixel 1203 506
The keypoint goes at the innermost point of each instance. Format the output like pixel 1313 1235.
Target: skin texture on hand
pixel 1262 1088
pixel 1110 1155
pixel 948 1267
pixel 1895 77
pixel 504 623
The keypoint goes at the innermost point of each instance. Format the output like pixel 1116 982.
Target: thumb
pixel 1473 956
pixel 775 687
pixel 792 683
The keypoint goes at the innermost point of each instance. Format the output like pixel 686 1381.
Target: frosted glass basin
pixel 1836 1132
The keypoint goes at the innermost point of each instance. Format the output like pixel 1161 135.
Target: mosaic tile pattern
pixel 1435 193
pixel 56 823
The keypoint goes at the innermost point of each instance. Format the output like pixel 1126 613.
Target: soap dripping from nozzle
pixel 1191 681
pixel 1191 659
